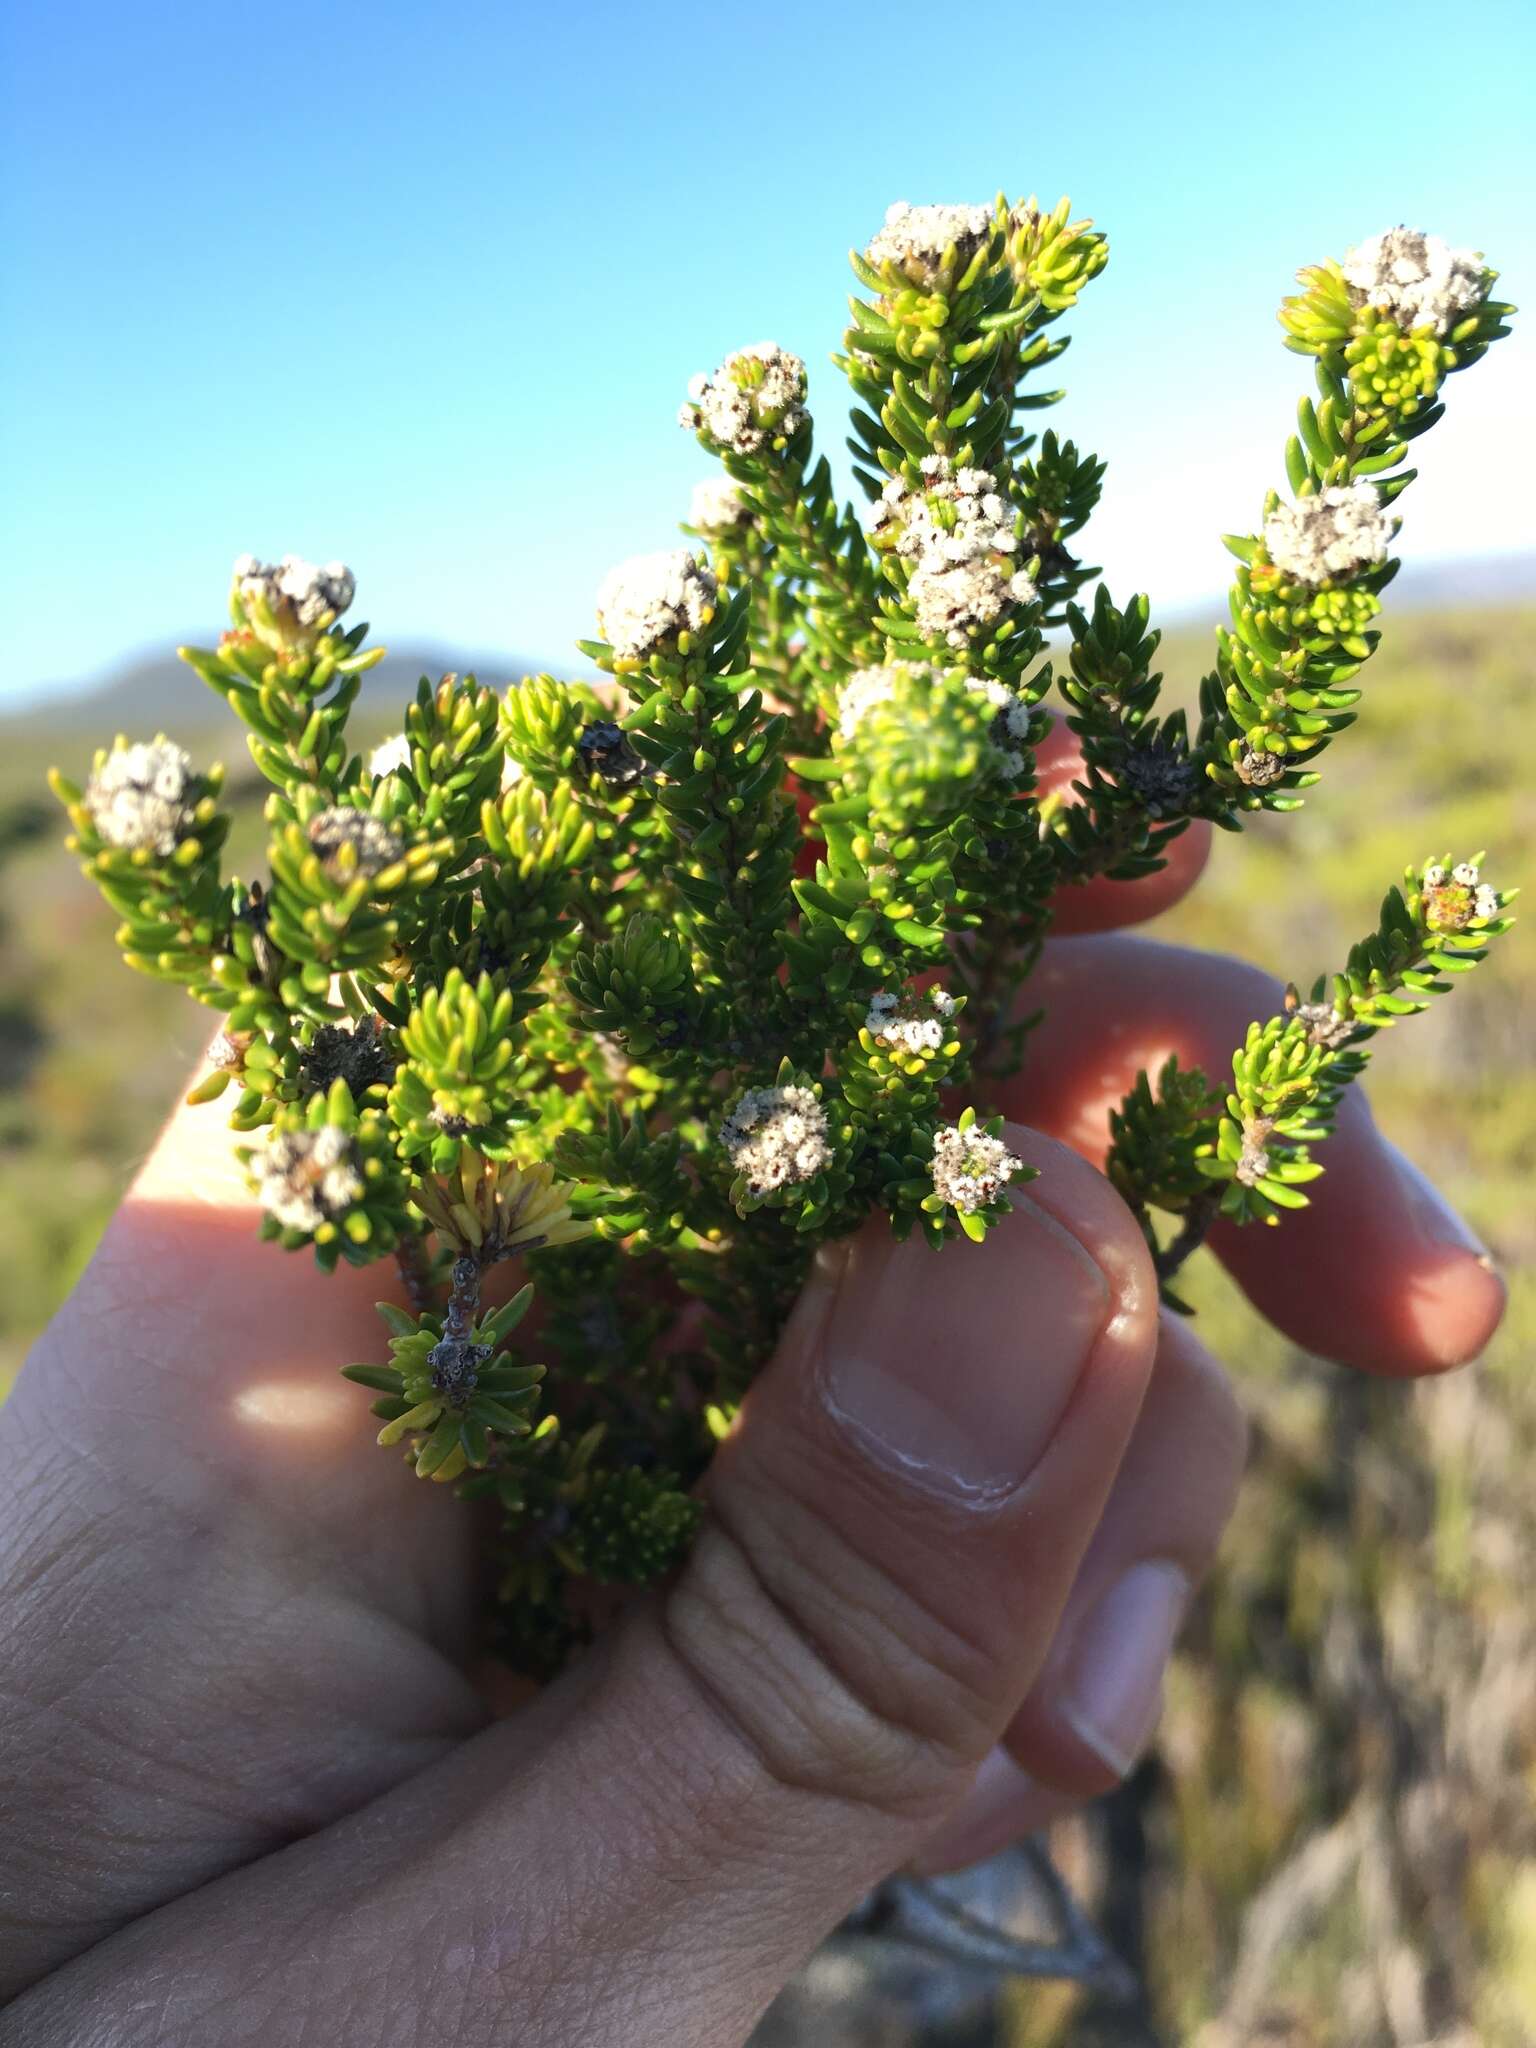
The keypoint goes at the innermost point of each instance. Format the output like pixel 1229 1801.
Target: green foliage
pixel 1140 781
pixel 341 880
pixel 459 1076
pixel 1283 684
pixel 656 982
pixel 1158 1137
pixel 449 1387
pixel 1183 1149
pixel 635 1191
pixel 632 1527
pixel 328 1176
pixel 454 759
pixel 148 832
pixel 638 986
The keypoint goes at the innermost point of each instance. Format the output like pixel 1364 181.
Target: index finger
pixel 1377 1272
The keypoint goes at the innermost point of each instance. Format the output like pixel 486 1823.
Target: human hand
pixel 252 1789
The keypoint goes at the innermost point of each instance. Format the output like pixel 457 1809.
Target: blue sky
pixel 421 288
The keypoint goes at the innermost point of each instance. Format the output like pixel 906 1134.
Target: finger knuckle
pixel 842 1682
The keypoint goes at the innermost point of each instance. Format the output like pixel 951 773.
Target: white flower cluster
pixel 867 687
pixel 1461 891
pixel 915 238
pixel 718 506
pixel 138 798
pixel 777 1137
pixel 388 755
pixel 375 844
pixel 648 600
pixel 864 689
pixel 958 529
pixel 1419 279
pixel 1010 723
pixel 1334 533
pixel 910 1023
pixel 306 1178
pixel 299 594
pixel 970 1169
pixel 757 394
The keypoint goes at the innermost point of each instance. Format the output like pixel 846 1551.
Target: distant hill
pixel 1491 580
pixel 160 692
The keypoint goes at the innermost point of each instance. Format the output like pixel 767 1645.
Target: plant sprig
pixel 646 984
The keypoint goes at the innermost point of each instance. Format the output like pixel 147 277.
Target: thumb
pixel 648 1852
pixel 897 1522
pixel 893 1530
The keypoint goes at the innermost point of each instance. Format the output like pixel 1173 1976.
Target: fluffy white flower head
pixel 915 238
pixel 648 600
pixel 1010 723
pixel 1332 534
pixel 949 603
pixel 958 529
pixel 1419 279
pixel 756 395
pixel 914 1023
pixel 1455 897
pixel 138 798
pixel 970 1169
pixel 389 755
pixel 306 1178
pixel 864 689
pixel 718 506
pixel 777 1137
pixel 953 514
pixel 313 590
pixel 300 597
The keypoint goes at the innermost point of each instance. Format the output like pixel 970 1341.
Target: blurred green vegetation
pixel 1340 1829
pixel 91 1055
pixel 1340 1832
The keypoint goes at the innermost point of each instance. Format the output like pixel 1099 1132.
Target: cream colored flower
pixel 138 797
pixel 1419 279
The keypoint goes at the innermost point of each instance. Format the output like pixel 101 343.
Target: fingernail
pixel 957 1371
pixel 1112 1691
pixel 1436 1219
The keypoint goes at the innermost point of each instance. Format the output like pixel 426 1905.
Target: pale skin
pixel 254 1787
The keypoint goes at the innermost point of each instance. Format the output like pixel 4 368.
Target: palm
pixel 225 1624
pixel 235 1624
